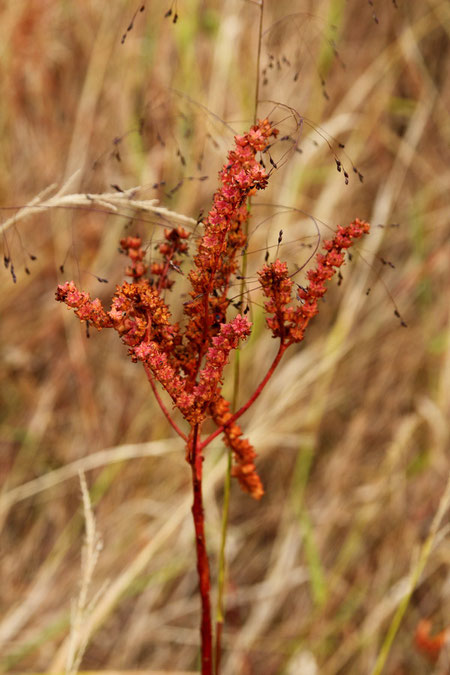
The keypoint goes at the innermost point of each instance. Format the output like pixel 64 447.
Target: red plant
pixel 189 363
pixel 430 645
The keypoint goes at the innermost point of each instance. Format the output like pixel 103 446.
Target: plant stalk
pixel 195 459
pixel 220 613
pixel 220 610
pixel 258 58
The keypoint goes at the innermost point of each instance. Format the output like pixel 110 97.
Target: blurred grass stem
pixel 416 573
pixel 220 611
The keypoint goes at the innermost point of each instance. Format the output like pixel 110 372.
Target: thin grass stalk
pixel 220 610
pixel 221 577
pixel 258 59
pixel 416 573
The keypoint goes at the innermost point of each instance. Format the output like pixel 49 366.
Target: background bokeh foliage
pixel 352 433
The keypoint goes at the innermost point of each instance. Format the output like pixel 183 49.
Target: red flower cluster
pixel 189 365
pixel 216 260
pixel 431 646
pixel 244 468
pixel 194 403
pixel 289 323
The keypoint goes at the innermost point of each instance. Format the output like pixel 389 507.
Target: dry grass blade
pixel 89 463
pixel 416 572
pixel 82 607
pixel 115 589
pixel 111 201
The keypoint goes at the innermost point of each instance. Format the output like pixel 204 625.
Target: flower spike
pixel 289 323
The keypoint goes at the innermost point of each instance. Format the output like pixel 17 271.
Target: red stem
pixel 251 400
pixel 195 459
pixel 173 424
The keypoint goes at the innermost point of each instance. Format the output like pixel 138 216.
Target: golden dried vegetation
pixel 334 569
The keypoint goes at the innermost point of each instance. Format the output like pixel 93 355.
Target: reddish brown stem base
pixel 195 459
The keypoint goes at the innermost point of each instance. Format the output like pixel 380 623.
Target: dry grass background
pixel 352 433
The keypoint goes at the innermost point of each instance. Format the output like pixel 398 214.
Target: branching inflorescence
pixel 189 362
